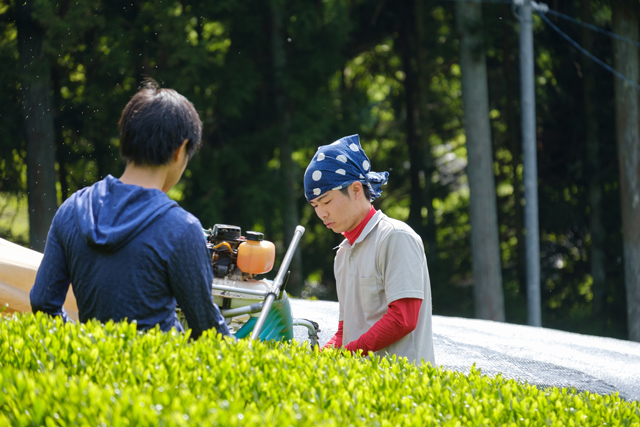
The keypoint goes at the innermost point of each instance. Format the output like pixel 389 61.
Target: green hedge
pixel 92 374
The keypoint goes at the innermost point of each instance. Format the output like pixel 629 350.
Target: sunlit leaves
pixel 342 74
pixel 90 374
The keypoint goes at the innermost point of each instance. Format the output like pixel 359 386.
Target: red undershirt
pixel 400 319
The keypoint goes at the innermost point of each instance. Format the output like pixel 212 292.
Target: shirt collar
pixel 367 229
pixel 353 235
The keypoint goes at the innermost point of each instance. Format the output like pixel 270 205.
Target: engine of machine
pixel 238 257
pixel 236 260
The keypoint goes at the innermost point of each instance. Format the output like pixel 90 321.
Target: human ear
pixel 180 150
pixel 356 187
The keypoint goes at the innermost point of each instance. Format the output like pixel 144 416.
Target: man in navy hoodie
pixel 130 251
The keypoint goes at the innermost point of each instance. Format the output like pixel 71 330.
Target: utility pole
pixel 530 166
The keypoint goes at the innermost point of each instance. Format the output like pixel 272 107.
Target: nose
pixel 321 212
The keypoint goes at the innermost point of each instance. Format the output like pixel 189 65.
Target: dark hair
pixel 154 123
pixel 365 191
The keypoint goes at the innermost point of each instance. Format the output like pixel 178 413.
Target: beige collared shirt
pixel 386 263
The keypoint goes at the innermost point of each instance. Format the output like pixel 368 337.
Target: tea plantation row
pixel 57 374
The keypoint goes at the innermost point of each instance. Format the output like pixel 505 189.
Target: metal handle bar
pixel 277 282
pixel 240 290
pixel 232 312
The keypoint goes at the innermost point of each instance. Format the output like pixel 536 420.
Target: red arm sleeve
pixel 400 319
pixel 336 341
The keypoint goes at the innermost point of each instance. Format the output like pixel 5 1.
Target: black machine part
pixel 255 235
pixel 223 241
pixel 226 232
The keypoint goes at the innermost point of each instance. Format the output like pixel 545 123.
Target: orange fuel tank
pixel 256 256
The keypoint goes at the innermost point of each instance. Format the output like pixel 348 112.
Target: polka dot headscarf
pixel 336 166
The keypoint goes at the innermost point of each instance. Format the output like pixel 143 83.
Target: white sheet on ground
pixel 18 269
pixel 541 357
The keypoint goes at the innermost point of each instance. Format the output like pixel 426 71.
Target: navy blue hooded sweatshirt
pixel 131 253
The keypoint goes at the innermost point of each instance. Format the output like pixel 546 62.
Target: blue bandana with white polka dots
pixel 337 165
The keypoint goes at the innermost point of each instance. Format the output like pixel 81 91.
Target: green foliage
pixel 14 220
pixel 330 69
pixel 92 374
pixel 12 155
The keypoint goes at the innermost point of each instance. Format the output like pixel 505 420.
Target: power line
pixel 543 8
pixel 594 28
pixel 588 54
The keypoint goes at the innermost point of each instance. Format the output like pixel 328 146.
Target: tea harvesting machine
pixel 253 307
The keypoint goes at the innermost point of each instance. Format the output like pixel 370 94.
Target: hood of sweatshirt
pixel 109 213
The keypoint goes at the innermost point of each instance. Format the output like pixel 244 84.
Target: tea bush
pixel 57 374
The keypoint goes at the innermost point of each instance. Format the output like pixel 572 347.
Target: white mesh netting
pixel 539 356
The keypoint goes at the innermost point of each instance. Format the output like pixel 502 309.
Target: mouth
pixel 329 224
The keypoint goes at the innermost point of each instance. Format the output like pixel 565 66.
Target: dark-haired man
pixel 129 250
pixel 382 279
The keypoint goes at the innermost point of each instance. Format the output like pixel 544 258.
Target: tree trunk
pixel 514 145
pixel 38 125
pixel 485 247
pixel 412 42
pixel 413 121
pixel 422 131
pixel 289 175
pixel 61 155
pixel 625 23
pixel 596 226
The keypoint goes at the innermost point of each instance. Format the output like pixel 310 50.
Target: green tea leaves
pixel 110 374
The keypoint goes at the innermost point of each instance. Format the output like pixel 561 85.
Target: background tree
pixel 485 249
pixel 625 23
pixel 37 119
pixel 594 172
pixel 392 72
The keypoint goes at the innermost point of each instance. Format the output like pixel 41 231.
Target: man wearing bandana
pixel 381 272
